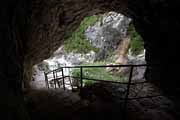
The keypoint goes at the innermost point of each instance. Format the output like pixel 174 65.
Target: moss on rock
pixel 136 42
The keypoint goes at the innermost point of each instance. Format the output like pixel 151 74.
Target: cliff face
pixel 107 33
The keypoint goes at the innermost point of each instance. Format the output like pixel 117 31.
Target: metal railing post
pixel 128 90
pixel 81 80
pixel 58 83
pixel 63 79
pixel 46 80
pixel 54 80
pixel 69 77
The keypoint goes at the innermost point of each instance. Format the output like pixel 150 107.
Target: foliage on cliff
pixel 77 43
pixel 136 42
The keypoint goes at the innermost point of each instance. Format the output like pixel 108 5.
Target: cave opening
pixel 30 27
pixel 105 39
pixel 102 39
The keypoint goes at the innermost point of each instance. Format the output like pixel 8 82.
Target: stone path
pixel 101 101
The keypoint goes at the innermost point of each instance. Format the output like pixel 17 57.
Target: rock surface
pixel 107 33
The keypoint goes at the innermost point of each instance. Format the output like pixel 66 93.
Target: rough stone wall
pixel 159 25
pixel 13 19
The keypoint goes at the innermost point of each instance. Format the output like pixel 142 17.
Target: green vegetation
pixel 77 43
pixel 136 42
pixel 99 73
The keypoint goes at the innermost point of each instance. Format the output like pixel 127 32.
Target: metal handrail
pixel 96 66
pixel 118 65
pixel 81 77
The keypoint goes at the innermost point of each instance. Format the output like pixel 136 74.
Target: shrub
pixel 76 73
pixel 136 42
pixel 99 73
pixel 77 43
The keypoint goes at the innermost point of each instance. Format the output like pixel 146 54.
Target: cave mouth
pixel 99 100
pixel 102 39
pixel 28 30
pixel 96 98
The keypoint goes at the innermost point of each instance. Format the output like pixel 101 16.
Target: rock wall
pixel 108 33
pixel 160 29
pixel 12 37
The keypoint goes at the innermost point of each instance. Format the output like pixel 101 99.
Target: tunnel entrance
pixel 29 26
pixel 104 39
pixel 108 78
